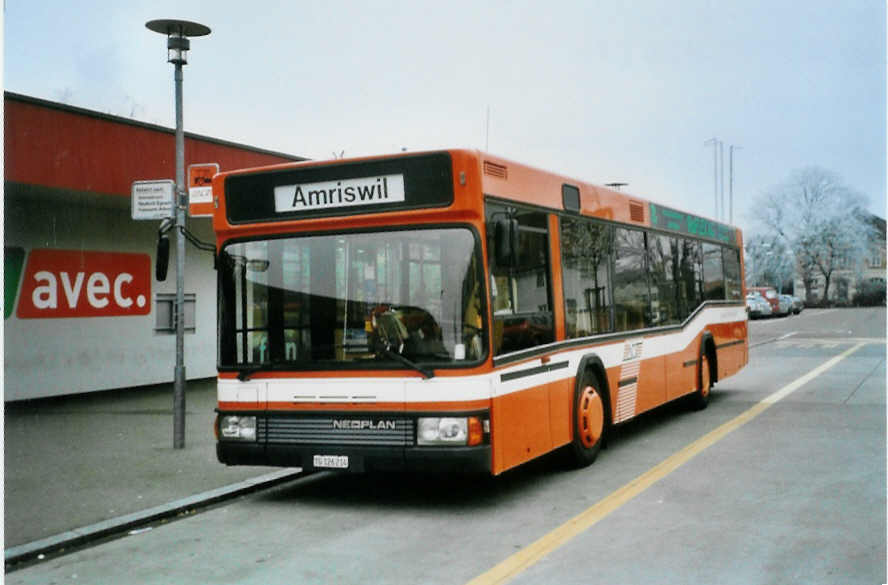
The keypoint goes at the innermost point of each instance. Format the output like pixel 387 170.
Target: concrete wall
pixel 54 356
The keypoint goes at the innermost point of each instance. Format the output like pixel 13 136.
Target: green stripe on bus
pixel 13 262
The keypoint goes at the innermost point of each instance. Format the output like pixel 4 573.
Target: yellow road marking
pixel 533 553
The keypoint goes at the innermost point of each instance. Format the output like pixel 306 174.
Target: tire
pixel 589 422
pixel 700 399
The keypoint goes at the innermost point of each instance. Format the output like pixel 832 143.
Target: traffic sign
pixel 200 189
pixel 153 199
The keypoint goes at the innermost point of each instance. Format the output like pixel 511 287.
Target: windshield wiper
pixel 426 372
pixel 244 374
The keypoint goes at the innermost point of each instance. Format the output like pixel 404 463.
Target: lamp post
pixel 177 33
pixel 731 183
pixel 715 149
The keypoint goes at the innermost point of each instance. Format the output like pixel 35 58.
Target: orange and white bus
pixel 453 310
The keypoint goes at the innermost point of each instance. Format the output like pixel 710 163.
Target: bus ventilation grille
pixel 495 170
pixel 322 430
pixel 636 211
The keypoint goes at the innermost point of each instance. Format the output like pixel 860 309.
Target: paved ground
pixel 75 461
pixel 81 460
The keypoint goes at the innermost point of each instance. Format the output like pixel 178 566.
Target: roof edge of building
pixel 8 95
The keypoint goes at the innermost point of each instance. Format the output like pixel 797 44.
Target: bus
pixel 456 311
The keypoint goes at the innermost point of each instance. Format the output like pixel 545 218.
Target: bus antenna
pixel 487 132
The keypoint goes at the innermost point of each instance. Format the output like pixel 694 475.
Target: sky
pixel 601 91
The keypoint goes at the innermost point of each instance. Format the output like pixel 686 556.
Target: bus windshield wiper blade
pixel 426 372
pixel 244 374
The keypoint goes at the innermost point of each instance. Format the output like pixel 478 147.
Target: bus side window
pixel 631 292
pixel 713 273
pixel 689 277
pixel 665 301
pixel 585 259
pixel 731 259
pixel 522 309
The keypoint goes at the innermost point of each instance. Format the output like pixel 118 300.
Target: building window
pixel 165 321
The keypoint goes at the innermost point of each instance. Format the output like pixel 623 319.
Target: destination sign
pixel 342 193
pixel 692 225
pixel 339 188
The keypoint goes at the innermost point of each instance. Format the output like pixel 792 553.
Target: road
pixel 781 480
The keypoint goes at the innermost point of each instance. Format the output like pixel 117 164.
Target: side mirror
pixel 163 258
pixel 505 241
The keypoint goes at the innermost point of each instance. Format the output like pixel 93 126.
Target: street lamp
pixel 731 183
pixel 715 142
pixel 177 32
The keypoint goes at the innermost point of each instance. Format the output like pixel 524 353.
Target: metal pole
pixel 177 33
pixel 487 132
pixel 731 185
pixel 715 173
pixel 721 168
pixel 179 385
pixel 714 142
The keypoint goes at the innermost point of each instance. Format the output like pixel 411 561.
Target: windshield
pixel 382 299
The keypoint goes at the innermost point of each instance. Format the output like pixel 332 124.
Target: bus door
pixel 521 296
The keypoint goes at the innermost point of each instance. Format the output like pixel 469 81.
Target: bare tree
pixel 821 220
pixel 768 260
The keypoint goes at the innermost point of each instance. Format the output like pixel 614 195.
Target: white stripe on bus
pixel 463 388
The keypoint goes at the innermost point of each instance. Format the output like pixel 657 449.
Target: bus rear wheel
pixel 700 398
pixel 590 422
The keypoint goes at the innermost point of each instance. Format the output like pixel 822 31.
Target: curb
pixel 80 536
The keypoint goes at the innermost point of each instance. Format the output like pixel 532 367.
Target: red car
pixel 770 295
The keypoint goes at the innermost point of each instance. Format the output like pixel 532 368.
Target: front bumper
pixel 369 440
pixel 361 459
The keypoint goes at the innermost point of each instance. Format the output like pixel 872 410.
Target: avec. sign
pixel 71 283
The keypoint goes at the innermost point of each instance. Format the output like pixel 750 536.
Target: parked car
pixel 797 305
pixel 752 307
pixel 770 295
pixel 757 306
pixel 785 304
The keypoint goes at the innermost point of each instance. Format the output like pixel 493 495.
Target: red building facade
pixel 82 309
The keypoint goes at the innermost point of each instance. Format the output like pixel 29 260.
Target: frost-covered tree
pixel 822 221
pixel 768 261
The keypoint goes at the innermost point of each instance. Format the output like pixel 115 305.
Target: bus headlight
pixel 237 428
pixel 449 431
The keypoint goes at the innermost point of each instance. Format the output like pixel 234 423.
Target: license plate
pixel 331 461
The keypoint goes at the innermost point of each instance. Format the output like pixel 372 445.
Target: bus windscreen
pixel 368 300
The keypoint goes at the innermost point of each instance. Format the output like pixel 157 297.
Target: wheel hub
pixel 590 417
pixel 704 377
